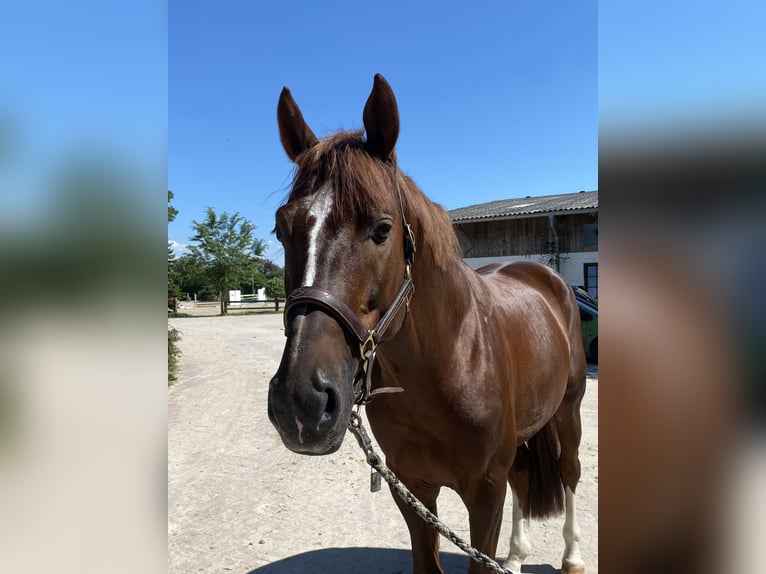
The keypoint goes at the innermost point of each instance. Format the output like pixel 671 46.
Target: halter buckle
pixel 369 345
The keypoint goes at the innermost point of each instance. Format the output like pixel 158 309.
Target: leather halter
pixel 368 339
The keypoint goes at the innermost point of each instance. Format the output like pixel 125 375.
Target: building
pixel 558 230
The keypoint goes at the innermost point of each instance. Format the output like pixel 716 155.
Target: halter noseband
pixel 368 339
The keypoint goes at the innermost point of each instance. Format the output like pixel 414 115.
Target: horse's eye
pixel 278 234
pixel 380 233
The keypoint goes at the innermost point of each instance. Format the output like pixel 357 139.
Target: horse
pixel 472 380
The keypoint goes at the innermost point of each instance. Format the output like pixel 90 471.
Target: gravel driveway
pixel 239 501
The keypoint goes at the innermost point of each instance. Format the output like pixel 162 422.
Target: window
pixel 590 234
pixel 591 279
pixel 585 316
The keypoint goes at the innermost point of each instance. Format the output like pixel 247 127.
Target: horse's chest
pixel 439 450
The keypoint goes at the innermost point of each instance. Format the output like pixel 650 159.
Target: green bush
pixel 173 354
pixel 275 288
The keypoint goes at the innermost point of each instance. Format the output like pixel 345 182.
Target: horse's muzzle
pixel 312 420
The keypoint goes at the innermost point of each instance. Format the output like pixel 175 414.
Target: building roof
pixel 582 201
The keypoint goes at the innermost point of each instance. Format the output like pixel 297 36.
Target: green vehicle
pixel 589 322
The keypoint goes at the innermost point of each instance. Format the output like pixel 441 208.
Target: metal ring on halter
pixel 363 347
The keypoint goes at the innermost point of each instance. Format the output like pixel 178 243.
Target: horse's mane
pixel 361 179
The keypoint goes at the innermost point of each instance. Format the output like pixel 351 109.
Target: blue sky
pixel 665 66
pixel 497 99
pixel 79 79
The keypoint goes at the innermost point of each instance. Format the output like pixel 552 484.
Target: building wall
pixel 572 268
pixel 525 236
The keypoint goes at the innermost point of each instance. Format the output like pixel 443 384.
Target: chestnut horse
pixel 491 363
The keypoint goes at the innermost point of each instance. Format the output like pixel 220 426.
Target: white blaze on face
pixel 321 205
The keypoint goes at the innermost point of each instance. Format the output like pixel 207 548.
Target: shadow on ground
pixel 371 561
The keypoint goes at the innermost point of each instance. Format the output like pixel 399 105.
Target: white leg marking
pixel 520 544
pixel 320 209
pixel 572 556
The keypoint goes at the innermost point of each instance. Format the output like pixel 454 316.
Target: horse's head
pixel 344 243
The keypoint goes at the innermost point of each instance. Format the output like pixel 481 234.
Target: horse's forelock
pixel 360 179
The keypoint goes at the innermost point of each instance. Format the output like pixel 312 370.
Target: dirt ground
pixel 239 501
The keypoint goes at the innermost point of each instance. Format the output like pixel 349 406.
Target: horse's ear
pixel 295 134
pixel 381 119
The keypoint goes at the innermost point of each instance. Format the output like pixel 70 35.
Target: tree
pixel 172 211
pixel 189 278
pixel 224 247
pixel 173 289
pixel 254 279
pixel 261 272
pixel 275 288
pixel 271 270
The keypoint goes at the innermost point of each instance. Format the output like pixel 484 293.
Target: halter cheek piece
pixel 368 339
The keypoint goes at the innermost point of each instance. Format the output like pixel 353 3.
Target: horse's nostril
pixel 330 400
pixel 330 413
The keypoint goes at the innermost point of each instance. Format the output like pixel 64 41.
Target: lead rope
pixel 374 460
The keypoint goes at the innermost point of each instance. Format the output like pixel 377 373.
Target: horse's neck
pixel 441 301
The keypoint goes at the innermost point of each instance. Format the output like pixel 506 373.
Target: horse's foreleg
pixel 484 500
pixel 424 539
